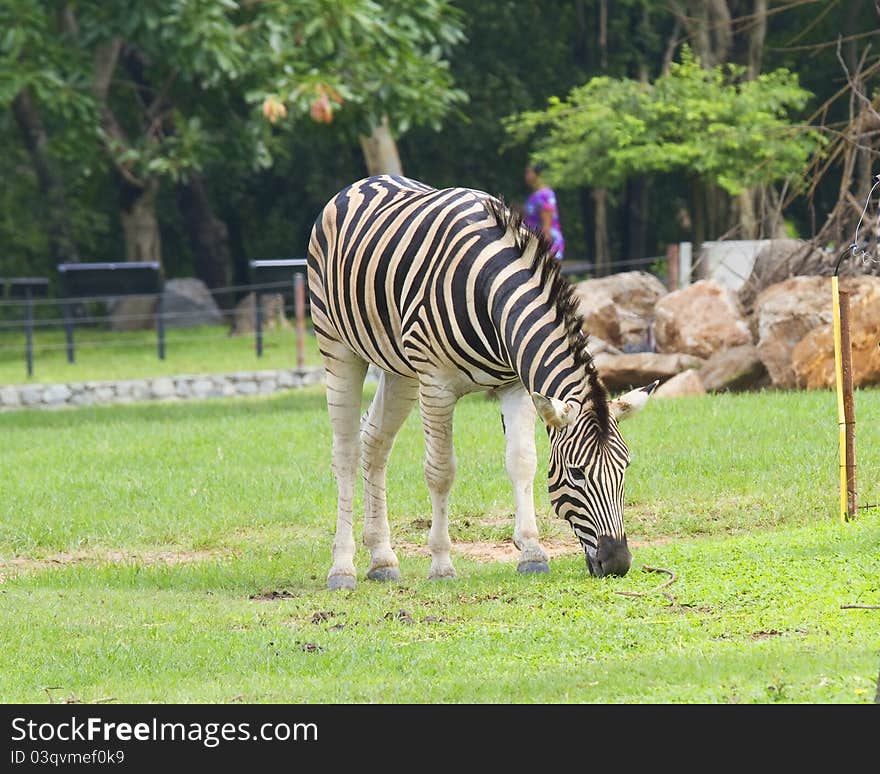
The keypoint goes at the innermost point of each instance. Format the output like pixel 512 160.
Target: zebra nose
pixel 611 557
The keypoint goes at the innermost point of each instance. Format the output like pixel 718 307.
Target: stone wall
pixel 162 388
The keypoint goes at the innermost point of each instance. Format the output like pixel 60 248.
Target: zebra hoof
pixel 335 582
pixel 529 568
pixel 441 575
pixel 384 574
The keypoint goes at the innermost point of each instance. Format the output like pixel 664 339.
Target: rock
pixel 735 369
pixel 812 358
pixel 273 317
pixel 781 259
pixel 601 318
pixel 597 345
pixel 9 396
pixel 686 383
pixel 132 313
pixel 31 395
pixel 784 314
pixel 640 368
pixel 188 302
pixel 56 394
pixel 700 319
pixel 634 293
pixel 162 387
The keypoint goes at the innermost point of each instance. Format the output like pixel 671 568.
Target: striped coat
pixel 447 293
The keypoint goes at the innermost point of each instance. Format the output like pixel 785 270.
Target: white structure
pixel 729 262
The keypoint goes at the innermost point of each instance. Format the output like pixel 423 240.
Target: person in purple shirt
pixel 541 212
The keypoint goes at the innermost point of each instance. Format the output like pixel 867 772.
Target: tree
pixel 32 85
pixel 169 88
pixel 710 124
pixel 325 60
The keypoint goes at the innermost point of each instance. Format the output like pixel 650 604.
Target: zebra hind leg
pixel 345 374
pixel 391 405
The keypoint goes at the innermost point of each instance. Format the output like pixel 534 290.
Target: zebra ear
pixel 632 402
pixel 554 412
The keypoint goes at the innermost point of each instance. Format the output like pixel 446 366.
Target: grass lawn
pixel 102 354
pixel 178 553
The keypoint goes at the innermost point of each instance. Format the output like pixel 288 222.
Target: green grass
pixel 102 354
pixel 134 538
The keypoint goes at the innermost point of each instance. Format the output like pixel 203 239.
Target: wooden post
pixel 672 267
pixel 258 321
pixel 29 329
pixel 838 377
pixel 848 404
pixel 299 299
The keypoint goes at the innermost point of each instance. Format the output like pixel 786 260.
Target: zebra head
pixel 588 459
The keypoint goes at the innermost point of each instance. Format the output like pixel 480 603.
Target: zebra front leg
pixel 518 412
pixel 392 404
pixel 437 404
pixel 345 374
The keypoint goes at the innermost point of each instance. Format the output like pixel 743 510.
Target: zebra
pixel 447 293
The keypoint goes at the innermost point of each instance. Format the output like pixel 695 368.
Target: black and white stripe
pixel 447 291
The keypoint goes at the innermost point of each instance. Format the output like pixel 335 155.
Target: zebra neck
pixel 546 365
pixel 537 342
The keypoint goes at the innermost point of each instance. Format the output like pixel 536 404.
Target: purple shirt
pixel 545 199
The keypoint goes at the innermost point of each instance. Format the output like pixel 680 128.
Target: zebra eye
pixel 577 477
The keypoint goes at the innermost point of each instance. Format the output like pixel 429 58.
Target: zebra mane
pixel 563 294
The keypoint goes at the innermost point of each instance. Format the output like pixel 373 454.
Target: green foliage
pixel 710 123
pixel 187 90
pixel 375 58
pixel 210 59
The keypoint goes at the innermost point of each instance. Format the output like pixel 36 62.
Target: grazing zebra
pixel 448 293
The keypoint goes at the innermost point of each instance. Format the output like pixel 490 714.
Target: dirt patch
pixel 21 564
pixel 494 550
pixel 506 551
pixel 270 596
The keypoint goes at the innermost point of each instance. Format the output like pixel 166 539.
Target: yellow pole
pixel 838 370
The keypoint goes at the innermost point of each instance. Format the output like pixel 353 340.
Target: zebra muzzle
pixel 610 557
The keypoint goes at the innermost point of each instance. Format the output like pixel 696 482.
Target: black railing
pixel 26 303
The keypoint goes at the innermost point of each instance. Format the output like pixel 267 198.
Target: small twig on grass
pixel 73 698
pixel 860 607
pixel 672 579
pixel 51 688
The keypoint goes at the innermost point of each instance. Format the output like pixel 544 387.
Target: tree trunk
pixel 208 236
pixel 635 227
pixel 600 233
pixel 380 151
pixel 698 222
pixel 757 33
pixel 139 223
pixel 62 246
pixel 581 44
pixel 710 28
pixel 587 219
pixel 744 206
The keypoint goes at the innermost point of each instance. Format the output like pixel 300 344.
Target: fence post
pixel 299 299
pixel 848 406
pixel 672 267
pixel 160 324
pixel 68 330
pixel 29 330
pixel 258 320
